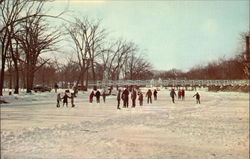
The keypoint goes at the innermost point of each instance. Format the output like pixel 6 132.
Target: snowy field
pixel 33 128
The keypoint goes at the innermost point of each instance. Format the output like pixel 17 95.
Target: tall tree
pixel 87 37
pixel 35 39
pixel 12 14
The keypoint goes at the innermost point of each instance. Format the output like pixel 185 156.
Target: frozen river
pixel 33 128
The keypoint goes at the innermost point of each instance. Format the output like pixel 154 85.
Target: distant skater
pixel 56 87
pixel 58 99
pixel 172 95
pixel 65 99
pixel 97 95
pixel 125 95
pixel 104 96
pixel 91 96
pixel 197 98
pixel 179 94
pixel 118 99
pixel 182 94
pixel 72 99
pixel 133 97
pixel 155 94
pixel 149 95
pixel 140 98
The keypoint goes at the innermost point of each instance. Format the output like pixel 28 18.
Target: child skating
pixel 65 99
pixel 197 98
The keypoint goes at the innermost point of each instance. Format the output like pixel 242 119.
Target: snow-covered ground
pixel 33 128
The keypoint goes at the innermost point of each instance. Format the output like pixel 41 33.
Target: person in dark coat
pixel 133 97
pixel 91 96
pixel 197 98
pixel 56 87
pixel 125 95
pixel 155 94
pixel 172 95
pixel 104 96
pixel 72 99
pixel 97 95
pixel 65 99
pixel 183 94
pixel 149 95
pixel 118 99
pixel 140 98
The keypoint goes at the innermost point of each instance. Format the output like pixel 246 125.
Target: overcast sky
pixel 173 34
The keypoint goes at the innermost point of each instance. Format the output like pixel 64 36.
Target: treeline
pixel 233 68
pixel 26 35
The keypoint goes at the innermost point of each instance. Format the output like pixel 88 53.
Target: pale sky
pixel 172 34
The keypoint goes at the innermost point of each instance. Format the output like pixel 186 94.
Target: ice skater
pixel 197 98
pixel 72 99
pixel 149 95
pixel 155 94
pixel 118 99
pixel 133 97
pixel 56 87
pixel 179 94
pixel 140 98
pixel 58 99
pixel 182 94
pixel 104 96
pixel 97 95
pixel 91 96
pixel 65 99
pixel 125 95
pixel 172 95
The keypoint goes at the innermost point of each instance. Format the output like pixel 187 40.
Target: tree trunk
pixel 28 78
pixel 93 71
pixel 3 53
pixel 28 83
pixel 87 79
pixel 10 77
pixel 2 76
pixel 16 81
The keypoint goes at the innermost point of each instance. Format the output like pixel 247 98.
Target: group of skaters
pixel 181 95
pixel 65 99
pixel 124 96
pixel 98 95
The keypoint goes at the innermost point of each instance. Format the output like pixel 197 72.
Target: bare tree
pixel 87 37
pixel 115 56
pixel 35 39
pixel 139 68
pixel 14 12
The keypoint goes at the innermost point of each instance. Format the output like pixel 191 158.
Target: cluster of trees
pixel 232 68
pixel 25 35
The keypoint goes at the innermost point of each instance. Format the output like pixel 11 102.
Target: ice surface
pixel 33 128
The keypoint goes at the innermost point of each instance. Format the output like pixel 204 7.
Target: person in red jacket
pixel 183 94
pixel 91 96
pixel 149 95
